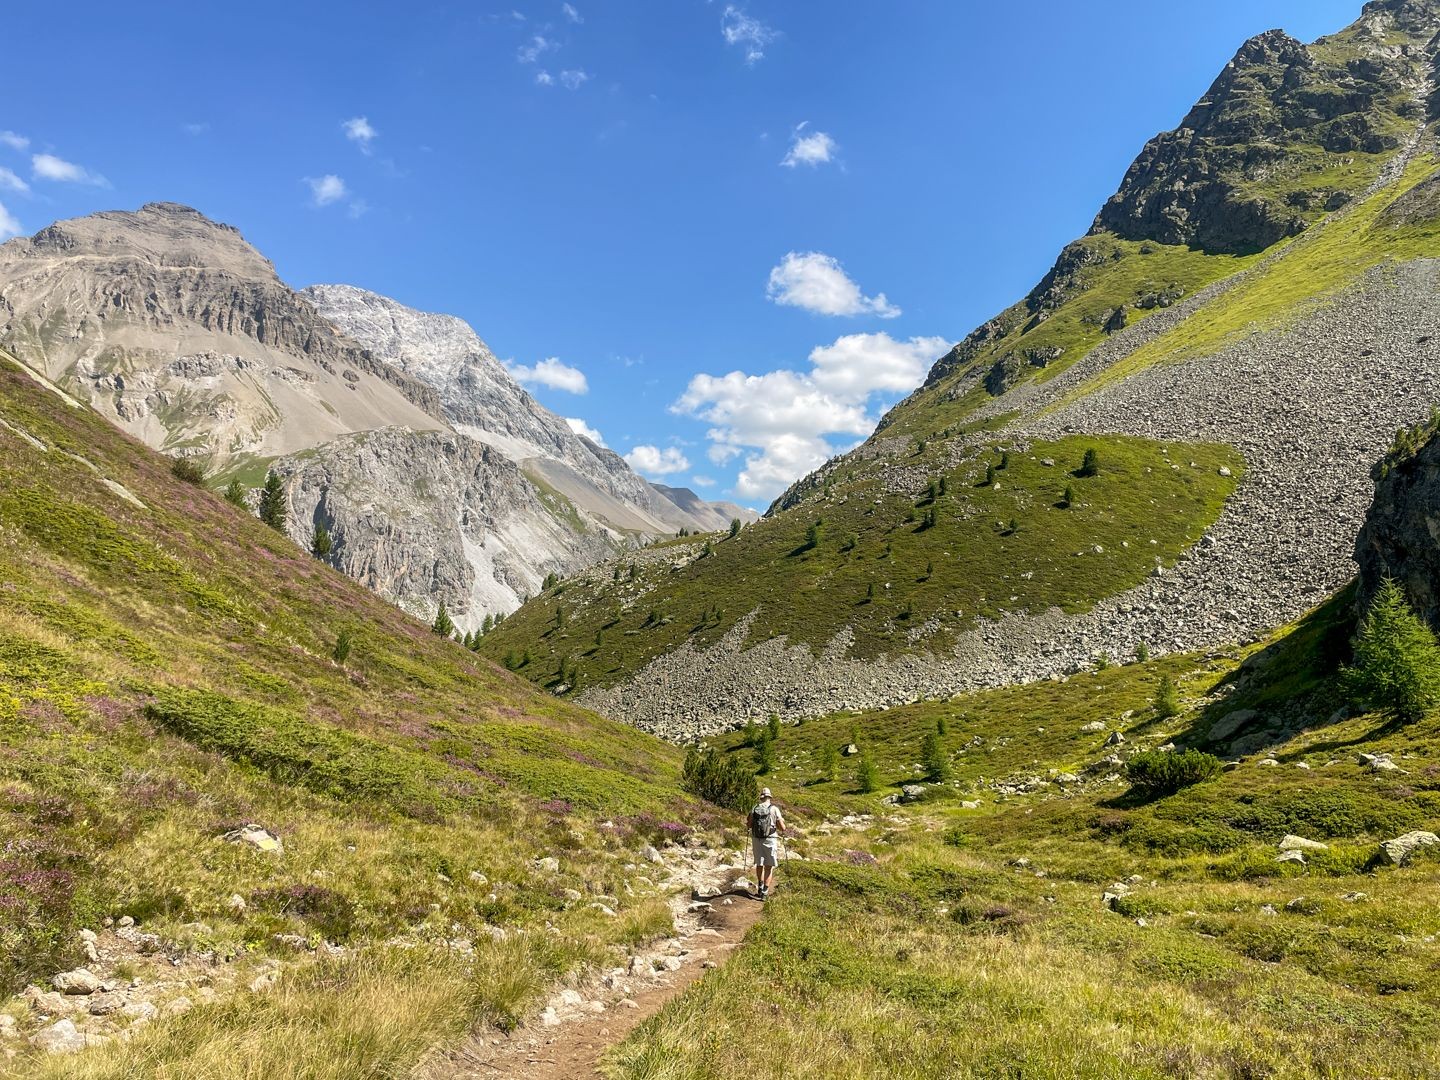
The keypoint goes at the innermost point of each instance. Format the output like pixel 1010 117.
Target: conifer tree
pixel 734 528
pixel 235 495
pixel 1167 699
pixel 272 503
pixel 1397 659
pixel 932 756
pixel 443 624
pixel 322 545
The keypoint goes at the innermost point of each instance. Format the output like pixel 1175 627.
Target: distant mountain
pixel 438 477
pixel 1166 443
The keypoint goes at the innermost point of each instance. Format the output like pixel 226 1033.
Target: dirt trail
pixel 571 1049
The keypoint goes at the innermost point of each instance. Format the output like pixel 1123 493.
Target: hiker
pixel 766 824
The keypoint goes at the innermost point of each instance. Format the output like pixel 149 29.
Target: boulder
pixel 1291 857
pixel 79 981
pixel 1291 842
pixel 851 750
pixel 1230 723
pixel 255 836
pixel 61 1037
pixel 1093 727
pixel 1398 851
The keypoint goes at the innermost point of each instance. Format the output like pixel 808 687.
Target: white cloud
pixel 359 131
pixel 14 141
pixel 544 78
pixel 9 180
pixel 327 189
pixel 781 421
pixel 358 208
pixel 573 80
pixel 652 461
pixel 50 167
pixel 580 427
pixel 198 128
pixel 571 13
pixel 535 48
pixel 554 374
pixel 9 226
pixel 750 34
pixel 814 149
pixel 818 283
pixel 702 481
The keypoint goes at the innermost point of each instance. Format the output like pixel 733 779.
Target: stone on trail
pixel 79 981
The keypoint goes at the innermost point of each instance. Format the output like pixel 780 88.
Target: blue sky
pixel 742 229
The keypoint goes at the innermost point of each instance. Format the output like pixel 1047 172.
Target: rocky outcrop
pixel 1235 176
pixel 182 333
pixel 1401 536
pixel 429 517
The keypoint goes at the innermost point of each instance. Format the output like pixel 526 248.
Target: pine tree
pixel 734 528
pixel 549 582
pixel 443 624
pixel 942 487
pixel 272 503
pixel 1091 463
pixel 487 625
pixel 752 733
pixel 867 777
pixel 467 640
pixel 709 548
pixel 342 647
pixel 765 754
pixel 235 495
pixel 989 475
pixel 1397 659
pixel 829 761
pixel 1005 459
pixel 1142 652
pixel 1067 500
pixel 1167 699
pixel 772 726
pixel 322 545
pixel 932 756
pixel 942 726
pixel 813 536
pixel 870 592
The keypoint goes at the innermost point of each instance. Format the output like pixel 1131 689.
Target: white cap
pixel 765 793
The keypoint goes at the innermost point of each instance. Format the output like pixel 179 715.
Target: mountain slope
pixel 168 673
pixel 1299 359
pixel 182 333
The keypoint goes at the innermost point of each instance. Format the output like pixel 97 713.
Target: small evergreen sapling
pixel 343 644
pixel 235 495
pixel 772 726
pixel 321 545
pixel 1167 699
pixel 867 777
pixel 932 756
pixel 1091 463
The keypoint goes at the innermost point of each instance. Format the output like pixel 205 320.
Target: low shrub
pixel 330 912
pixel 720 779
pixel 189 470
pixel 1158 772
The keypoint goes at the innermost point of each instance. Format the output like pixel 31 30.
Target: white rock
pixel 61 1037
pixel 79 981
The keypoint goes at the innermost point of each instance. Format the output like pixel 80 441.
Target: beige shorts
pixel 766 851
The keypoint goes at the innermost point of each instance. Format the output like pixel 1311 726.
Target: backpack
pixel 762 821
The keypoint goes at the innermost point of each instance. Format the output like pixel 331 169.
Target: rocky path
pixel 568 1038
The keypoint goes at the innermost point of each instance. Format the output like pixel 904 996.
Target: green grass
pixel 165 675
pixel 943 941
pixel 1146 505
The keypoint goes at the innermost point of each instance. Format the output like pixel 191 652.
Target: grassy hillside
pixel 905 560
pixel 169 671
pixel 932 939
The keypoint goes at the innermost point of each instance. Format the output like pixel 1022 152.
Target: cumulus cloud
pixel 573 80
pixel 9 226
pixel 813 148
pixel 359 131
pixel 782 422
pixel 327 189
pixel 653 461
pixel 818 283
pixel 552 373
pixel 702 481
pixel 747 33
pixel 580 427
pixel 570 13
pixel 50 167
pixel 11 182
pixel 14 141
pixel 535 48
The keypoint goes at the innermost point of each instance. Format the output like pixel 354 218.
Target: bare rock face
pixel 1401 535
pixel 180 332
pixel 429 517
